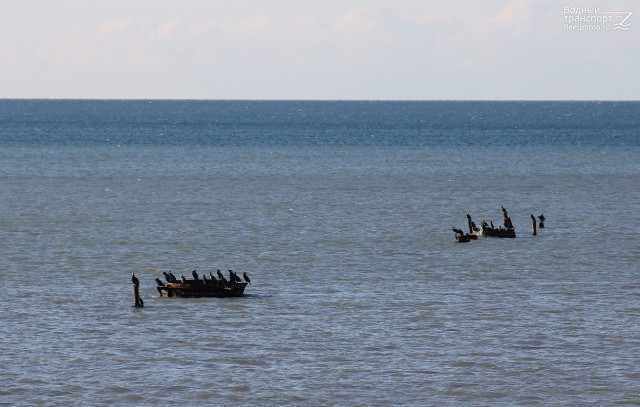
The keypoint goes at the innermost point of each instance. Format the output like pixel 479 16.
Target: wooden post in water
pixel 533 225
pixel 137 301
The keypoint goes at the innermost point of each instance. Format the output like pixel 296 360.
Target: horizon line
pixel 309 100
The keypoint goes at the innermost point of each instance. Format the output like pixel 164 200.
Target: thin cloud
pixel 113 25
pixel 366 18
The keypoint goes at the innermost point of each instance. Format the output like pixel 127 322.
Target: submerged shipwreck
pixel 202 286
pixel 506 230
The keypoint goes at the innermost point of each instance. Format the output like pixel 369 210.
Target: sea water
pixel 341 213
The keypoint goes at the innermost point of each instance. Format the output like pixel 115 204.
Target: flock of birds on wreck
pixel 212 280
pixel 234 281
pixel 486 229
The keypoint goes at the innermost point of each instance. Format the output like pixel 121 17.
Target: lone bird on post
pixel 246 277
pixel 137 301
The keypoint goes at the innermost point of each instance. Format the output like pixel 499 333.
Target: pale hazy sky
pixel 329 49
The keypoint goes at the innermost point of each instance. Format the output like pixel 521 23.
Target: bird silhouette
pixel 234 277
pixel 246 277
pixel 224 280
pixel 184 280
pixel 194 274
pixel 134 279
pixel 160 283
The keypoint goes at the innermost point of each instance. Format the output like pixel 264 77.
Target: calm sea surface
pixel 341 213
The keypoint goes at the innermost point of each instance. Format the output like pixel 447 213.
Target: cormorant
pixel 234 277
pixel 160 283
pixel 224 280
pixel 246 277
pixel 204 279
pixel 173 276
pixel 184 280
pixel 166 276
pixel 457 231
pixel 194 274
pixel 134 279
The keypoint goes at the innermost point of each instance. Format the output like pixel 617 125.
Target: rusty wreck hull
pixel 197 288
pixel 503 233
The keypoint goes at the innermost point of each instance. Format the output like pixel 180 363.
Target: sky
pixel 329 49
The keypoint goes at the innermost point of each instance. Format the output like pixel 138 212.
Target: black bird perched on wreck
pixel 166 275
pixel 213 278
pixel 234 277
pixel 184 280
pixel 134 279
pixel 246 277
pixel 173 277
pixel 159 282
pixel 194 274
pixel 224 280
